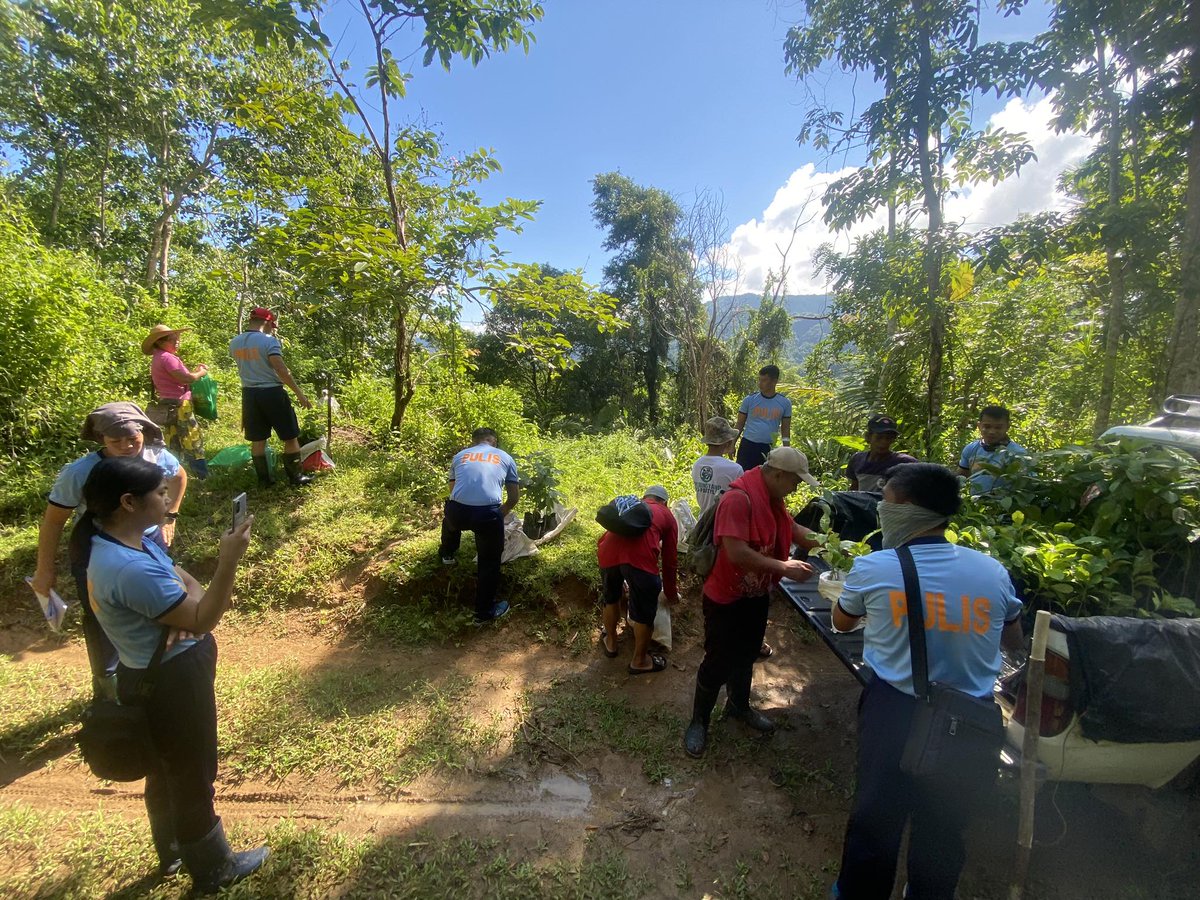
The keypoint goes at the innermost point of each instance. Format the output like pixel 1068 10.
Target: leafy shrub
pixel 1096 530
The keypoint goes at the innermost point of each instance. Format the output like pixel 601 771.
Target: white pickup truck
pixel 1066 754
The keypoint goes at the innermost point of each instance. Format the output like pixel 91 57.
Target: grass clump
pixel 572 718
pixel 363 727
pixel 40 707
pixel 97 854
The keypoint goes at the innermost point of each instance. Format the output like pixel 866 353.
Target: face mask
pixel 900 522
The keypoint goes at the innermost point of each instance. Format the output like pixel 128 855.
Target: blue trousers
pixel 886 799
pixel 751 454
pixel 487 522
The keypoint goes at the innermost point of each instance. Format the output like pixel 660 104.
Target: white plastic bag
pixel 54 608
pixel 517 544
pixel 662 623
pixel 686 519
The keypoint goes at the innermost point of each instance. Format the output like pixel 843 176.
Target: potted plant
pixel 540 485
pixel 840 556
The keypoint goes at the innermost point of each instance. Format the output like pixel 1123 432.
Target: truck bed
pixel 817 611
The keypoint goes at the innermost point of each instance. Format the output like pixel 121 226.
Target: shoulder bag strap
pixel 147 685
pixel 916 621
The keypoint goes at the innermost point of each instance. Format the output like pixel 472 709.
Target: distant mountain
pixel 805 332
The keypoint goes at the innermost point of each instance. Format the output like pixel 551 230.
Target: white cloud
pixel 797 205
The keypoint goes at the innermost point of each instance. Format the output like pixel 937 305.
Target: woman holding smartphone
pixel 141 598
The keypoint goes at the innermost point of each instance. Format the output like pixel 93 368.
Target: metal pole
pixel 328 410
pixel 1034 677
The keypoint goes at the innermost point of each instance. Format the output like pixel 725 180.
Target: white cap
pixel 789 459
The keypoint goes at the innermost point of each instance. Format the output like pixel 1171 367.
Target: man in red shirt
pixel 634 561
pixel 753 533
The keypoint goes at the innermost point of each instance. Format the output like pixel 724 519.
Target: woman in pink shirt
pixel 172 408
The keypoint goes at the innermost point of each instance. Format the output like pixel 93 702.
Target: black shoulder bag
pixel 115 739
pixel 954 736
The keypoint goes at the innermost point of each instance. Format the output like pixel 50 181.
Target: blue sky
pixel 684 96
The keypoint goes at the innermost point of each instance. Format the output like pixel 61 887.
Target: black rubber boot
pixel 295 474
pixel 737 702
pixel 162 832
pixel 213 865
pixel 263 471
pixel 695 739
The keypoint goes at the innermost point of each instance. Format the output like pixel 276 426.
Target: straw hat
pixel 157 333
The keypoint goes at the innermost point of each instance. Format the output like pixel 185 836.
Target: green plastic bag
pixel 204 397
pixel 237 456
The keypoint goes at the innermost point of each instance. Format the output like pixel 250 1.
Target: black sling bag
pixel 115 739
pixel 954 736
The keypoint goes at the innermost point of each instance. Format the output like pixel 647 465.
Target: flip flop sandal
pixel 611 654
pixel 765 651
pixel 658 663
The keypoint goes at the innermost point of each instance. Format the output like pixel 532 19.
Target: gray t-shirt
pixel 252 351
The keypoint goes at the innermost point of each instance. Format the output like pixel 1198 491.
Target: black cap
pixel 882 425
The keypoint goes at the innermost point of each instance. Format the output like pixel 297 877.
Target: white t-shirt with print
pixel 711 475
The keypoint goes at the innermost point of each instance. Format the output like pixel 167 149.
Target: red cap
pixel 262 313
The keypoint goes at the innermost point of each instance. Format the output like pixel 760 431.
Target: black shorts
pixel 644 589
pixel 264 409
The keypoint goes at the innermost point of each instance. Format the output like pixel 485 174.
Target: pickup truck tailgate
pixel 817 611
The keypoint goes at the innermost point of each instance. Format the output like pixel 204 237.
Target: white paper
pixel 54 608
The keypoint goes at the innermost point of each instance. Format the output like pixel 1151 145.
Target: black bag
pixel 626 515
pixel 954 736
pixel 115 739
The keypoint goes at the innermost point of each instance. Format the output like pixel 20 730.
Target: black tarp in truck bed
pixel 1134 681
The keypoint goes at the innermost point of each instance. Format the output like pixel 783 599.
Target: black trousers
pixel 886 799
pixel 733 635
pixel 183 720
pixel 487 522
pixel 751 454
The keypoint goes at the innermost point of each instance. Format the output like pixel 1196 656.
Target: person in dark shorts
pixel 635 561
pixel 265 404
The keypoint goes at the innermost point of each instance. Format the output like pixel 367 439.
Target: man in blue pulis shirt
pixel 478 476
pixel 761 416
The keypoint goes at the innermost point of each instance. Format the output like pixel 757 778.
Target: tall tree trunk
pixel 933 253
pixel 1183 373
pixel 102 238
pixel 893 322
pixel 1114 315
pixel 164 259
pixel 154 254
pixel 60 177
pixel 402 385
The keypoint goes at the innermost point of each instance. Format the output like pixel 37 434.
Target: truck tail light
pixel 1057 709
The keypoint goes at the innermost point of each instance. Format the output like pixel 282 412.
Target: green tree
pixel 651 271
pixel 918 135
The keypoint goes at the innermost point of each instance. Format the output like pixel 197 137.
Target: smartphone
pixel 239 510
